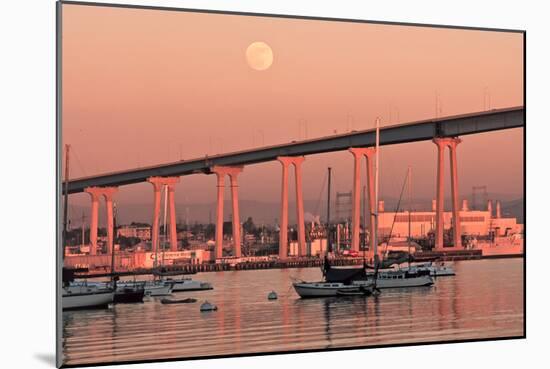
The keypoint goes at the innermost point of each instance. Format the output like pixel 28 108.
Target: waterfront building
pixel 135 231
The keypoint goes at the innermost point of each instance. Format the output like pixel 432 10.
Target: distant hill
pixel 262 212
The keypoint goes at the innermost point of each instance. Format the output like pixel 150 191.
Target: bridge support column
pixel 457 233
pixel 233 172
pixel 358 154
pixel 302 249
pixel 442 143
pixel 173 222
pixel 283 223
pixel 235 209
pixel 369 154
pixel 108 194
pixel 219 215
pixel 356 197
pixel 286 161
pixel 96 193
pixel 93 220
pixel 158 183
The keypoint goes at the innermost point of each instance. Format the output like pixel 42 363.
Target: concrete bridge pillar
pixel 108 193
pixel 442 143
pixel 297 161
pixel 219 215
pixel 369 154
pixel 158 183
pixel 96 193
pixel 233 172
pixel 93 219
pixel 457 233
pixel 173 222
pixel 235 210
pixel 358 153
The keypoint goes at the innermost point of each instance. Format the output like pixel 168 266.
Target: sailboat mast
pixel 164 221
pixel 66 204
pixel 409 178
pixel 364 223
pixel 113 247
pixel 376 185
pixel 328 209
pixel 82 230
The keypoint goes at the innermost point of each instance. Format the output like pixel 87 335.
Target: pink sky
pixel 142 87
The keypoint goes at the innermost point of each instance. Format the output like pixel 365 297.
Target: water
pixel 484 300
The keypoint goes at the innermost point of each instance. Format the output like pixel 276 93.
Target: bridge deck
pixel 410 132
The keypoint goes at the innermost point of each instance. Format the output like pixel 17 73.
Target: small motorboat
pixel 272 295
pixel 206 306
pixel 186 284
pixel 189 300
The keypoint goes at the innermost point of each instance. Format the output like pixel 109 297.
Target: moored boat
pixel 187 284
pixel 321 289
pixel 183 301
pixel 129 294
pixel 152 288
pixel 397 279
pixel 436 270
pixel 79 297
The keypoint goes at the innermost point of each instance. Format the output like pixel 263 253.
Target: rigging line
pixel 397 209
pixel 321 194
pixel 78 161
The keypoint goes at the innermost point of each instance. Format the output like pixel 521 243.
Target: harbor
pixel 466 306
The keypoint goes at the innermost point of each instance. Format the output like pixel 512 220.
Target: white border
pixel 27 150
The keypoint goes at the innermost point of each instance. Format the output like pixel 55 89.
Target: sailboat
pixel 128 293
pixel 436 270
pixel 81 297
pixel 159 287
pixel 183 284
pixel 391 278
pixel 78 297
pixel 356 280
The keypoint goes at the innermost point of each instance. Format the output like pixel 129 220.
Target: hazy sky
pixel 142 87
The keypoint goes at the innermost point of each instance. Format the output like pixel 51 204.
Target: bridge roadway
pixel 410 132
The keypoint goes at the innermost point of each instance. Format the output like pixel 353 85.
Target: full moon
pixel 259 55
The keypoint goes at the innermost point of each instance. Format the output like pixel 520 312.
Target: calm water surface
pixel 484 300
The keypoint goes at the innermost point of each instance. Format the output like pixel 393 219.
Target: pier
pixel 303 262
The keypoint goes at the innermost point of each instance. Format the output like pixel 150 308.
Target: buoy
pixel 206 306
pixel 272 295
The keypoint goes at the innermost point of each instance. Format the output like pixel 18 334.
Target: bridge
pixel 444 132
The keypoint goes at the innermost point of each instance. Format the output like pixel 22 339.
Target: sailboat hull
pixel 321 289
pixel 396 281
pixel 92 300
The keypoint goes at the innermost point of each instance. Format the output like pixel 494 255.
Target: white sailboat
pixel 392 278
pixel 86 300
pixel 325 289
pixel 82 296
pixel 78 297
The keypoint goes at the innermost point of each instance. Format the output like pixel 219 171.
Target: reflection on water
pixel 484 300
